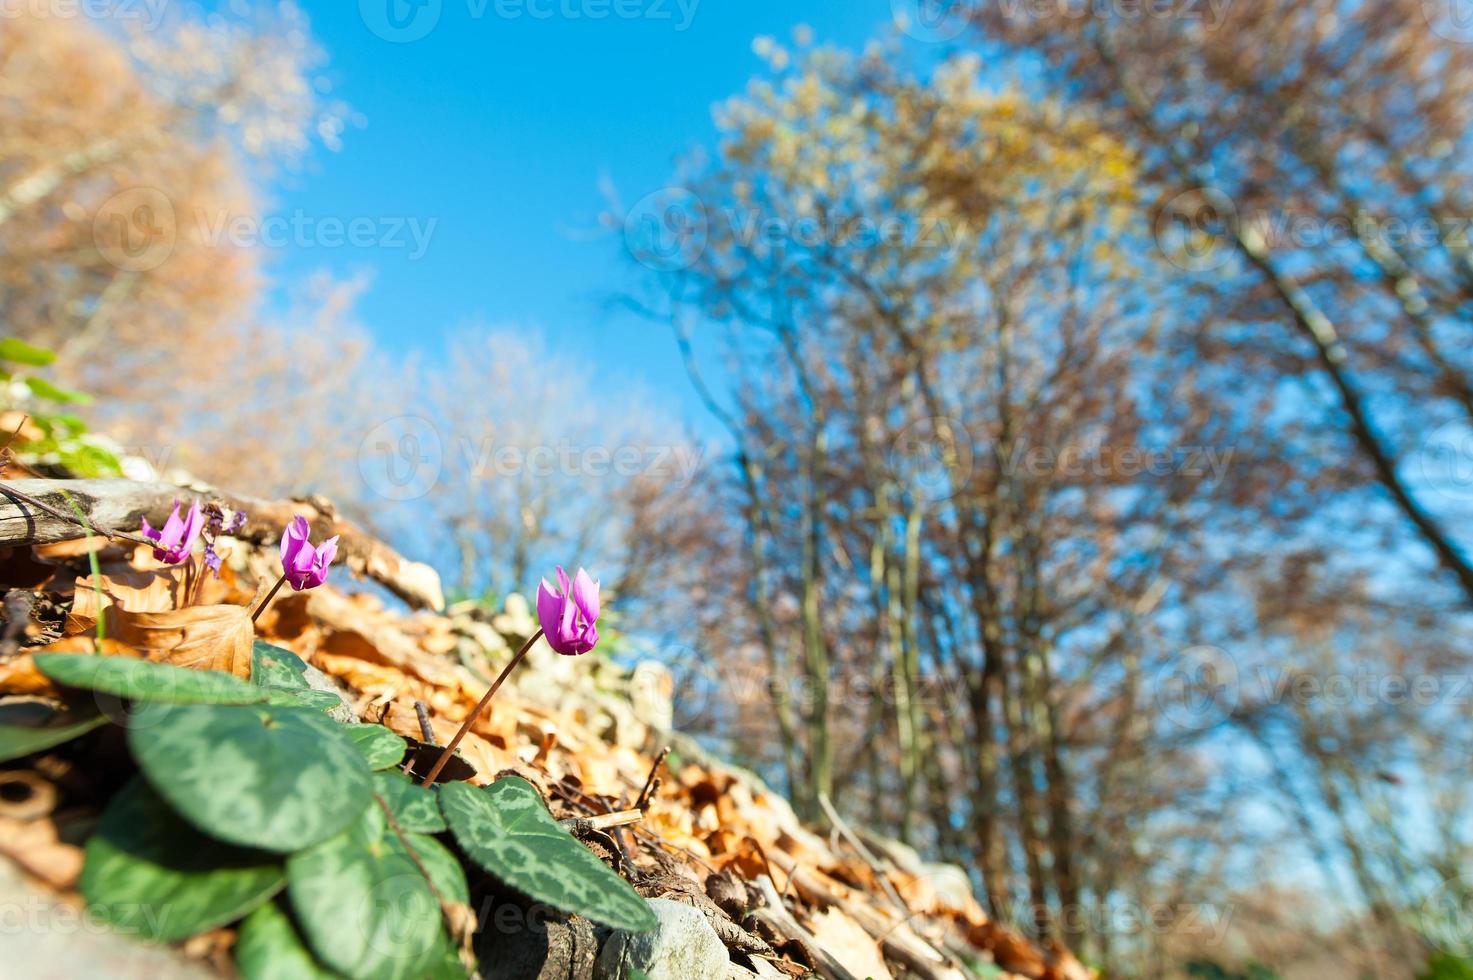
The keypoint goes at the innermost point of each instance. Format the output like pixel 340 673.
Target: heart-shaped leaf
pixel 269 948
pixel 363 904
pixel 414 806
pixel 273 666
pixel 142 680
pixel 381 747
pixel 30 727
pixel 260 775
pixel 506 829
pixel 149 873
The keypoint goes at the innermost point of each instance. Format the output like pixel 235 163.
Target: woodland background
pixel 1086 495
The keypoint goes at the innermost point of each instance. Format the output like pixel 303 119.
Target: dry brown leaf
pixel 846 941
pixel 19 675
pixel 60 551
pixel 201 637
pixel 154 590
pixel 373 679
pixel 1064 965
pixel 1010 950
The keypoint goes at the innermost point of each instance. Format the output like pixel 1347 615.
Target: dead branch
pixel 114 508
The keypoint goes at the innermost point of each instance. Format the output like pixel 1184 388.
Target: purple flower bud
pixel 175 540
pixel 569 617
pixel 305 567
pixel 212 558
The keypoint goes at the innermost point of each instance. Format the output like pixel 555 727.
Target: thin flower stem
pixel 269 596
pixel 465 726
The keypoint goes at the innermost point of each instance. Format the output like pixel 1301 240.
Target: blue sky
pixel 497 124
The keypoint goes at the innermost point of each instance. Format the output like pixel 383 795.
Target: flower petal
pixel 585 594
pixel 293 538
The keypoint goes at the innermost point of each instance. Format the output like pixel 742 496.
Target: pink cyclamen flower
pixel 569 617
pixel 175 540
pixel 304 566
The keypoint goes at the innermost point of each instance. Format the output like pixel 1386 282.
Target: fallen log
pixel 71 509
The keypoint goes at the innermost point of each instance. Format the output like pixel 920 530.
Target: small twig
pixel 864 852
pixel 426 732
pixel 685 852
pixel 777 916
pixel 470 719
pixel 650 783
pixel 603 821
pixel 269 596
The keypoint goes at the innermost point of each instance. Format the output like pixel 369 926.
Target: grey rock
pixel 682 948
pixel 318 681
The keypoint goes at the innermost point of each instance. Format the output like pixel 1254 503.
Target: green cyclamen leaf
pixel 363 904
pixel 445 964
pixel 280 778
pixel 506 829
pixel 414 806
pixel 381 747
pixel 19 352
pixel 150 874
pixel 143 680
pixel 444 868
pixel 269 948
pixel 302 697
pixel 273 666
pixel 28 727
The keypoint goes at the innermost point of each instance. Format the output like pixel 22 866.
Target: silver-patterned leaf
pixel 365 908
pixel 267 776
pixel 506 829
pixel 150 874
pixel 273 666
pixel 381 747
pixel 414 806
